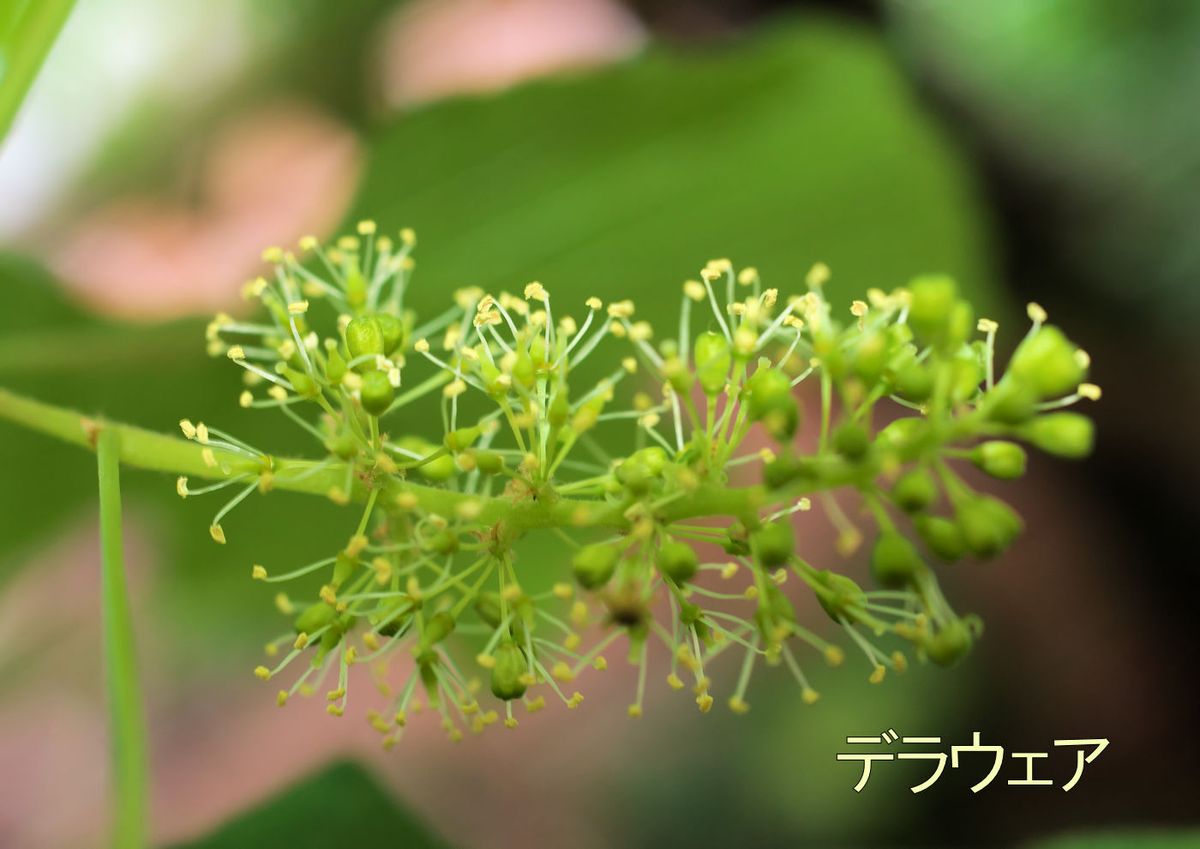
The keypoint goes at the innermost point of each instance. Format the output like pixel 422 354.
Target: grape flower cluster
pixel 665 548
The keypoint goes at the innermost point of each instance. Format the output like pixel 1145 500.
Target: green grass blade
pixel 124 698
pixel 27 31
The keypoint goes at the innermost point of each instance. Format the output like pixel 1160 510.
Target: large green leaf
pixel 340 806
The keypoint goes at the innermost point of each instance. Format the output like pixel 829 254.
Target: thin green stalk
pixel 126 726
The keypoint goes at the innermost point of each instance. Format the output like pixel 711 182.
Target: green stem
pixel 124 697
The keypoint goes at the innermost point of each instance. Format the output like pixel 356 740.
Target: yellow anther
pixel 600 663
pixel 371 641
pixel 407 501
pixel 629 364
pixel 563 590
pixel 301 641
pixel 986 325
pixel 729 570
pixel 408 236
pixel 703 683
pixel 334 695
pixel 594 303
pixel 534 705
pixel 281 698
pixel 738 705
pixel 621 309
pixel 834 656
pixel 899 661
pixel 328 595
pixel 562 672
pixel 858 308
pixel 421 346
pixel 181 487
pixel 817 276
pixel 1090 391
pixel 272 254
pixel 575 700
pixel 217 533
pixel 751 592
pixel 747 276
pixel 283 604
pixel 258 572
pixel 1083 358
pixel 809 696
pixel 528 679
pixel 209 458
pixel 485 660
pixel 694 289
pixel 1036 313
pixel 877 674
pixel 262 673
pixel 579 613
pixel 189 429
pixel 335 710
pixel 634 711
pixel 674 681
pixel 705 702
pixel 535 291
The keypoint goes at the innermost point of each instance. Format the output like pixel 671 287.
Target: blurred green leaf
pixel 28 29
pixel 340 806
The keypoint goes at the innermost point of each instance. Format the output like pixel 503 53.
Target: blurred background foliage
pixel 1031 149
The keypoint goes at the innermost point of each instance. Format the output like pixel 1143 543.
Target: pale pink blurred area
pixel 267 177
pixel 434 48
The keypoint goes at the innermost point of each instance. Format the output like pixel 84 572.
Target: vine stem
pixel 126 723
pixel 144 449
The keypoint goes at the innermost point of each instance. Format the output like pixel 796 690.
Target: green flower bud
pixel 851 441
pixel 364 336
pixel 636 476
pixel 1004 460
pixel 677 561
pixel 1011 402
pixel 1048 362
pixel 593 565
pixel 304 385
pixel 335 366
pixel 913 382
pixel 442 542
pixel 315 617
pixel 392 329
pixel 343 445
pixel 487 607
pixel 507 673
pixel 904 432
pixel 713 360
pixel 344 566
pixel 949 645
pixel 523 372
pixel 560 409
pixel 393 617
pixel 773 544
pixel 941 536
pixel 1067 435
pixel 489 462
pixel 437 628
pixel 838 594
pixel 869 356
pixel 966 373
pixel 770 401
pixel 356 285
pixel 462 439
pixel 377 392
pixel 933 299
pixel 678 376
pixel 895 562
pixel 988 525
pixel 915 491
pixel 438 469
pixel 784 469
